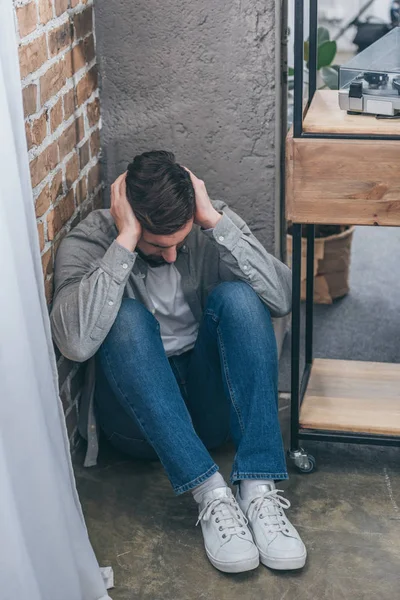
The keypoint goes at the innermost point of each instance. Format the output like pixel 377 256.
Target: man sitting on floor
pixel 174 296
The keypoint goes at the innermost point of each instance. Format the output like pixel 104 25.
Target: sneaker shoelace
pixel 228 516
pixel 269 506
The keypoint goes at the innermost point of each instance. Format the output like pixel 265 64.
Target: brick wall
pixel 62 120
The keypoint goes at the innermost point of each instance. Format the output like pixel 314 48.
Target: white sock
pixel 212 483
pixel 249 486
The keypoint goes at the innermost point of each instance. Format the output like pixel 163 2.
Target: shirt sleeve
pixel 243 256
pixel 89 286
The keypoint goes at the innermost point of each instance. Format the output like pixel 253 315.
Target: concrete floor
pixel 348 513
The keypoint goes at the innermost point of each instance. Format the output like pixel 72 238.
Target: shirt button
pixel 124 266
pixel 110 303
pixel 221 238
pixel 246 267
pixel 153 311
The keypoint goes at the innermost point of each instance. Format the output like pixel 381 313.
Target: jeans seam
pixel 180 489
pixel 124 396
pixel 228 381
pixel 215 318
pixel 196 481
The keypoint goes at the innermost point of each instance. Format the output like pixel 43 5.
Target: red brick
pixel 59 38
pixel 95 143
pixel 56 115
pixel 61 6
pixel 83 53
pixel 40 228
pixel 32 55
pixel 28 135
pixel 69 104
pixel 48 289
pixel 83 23
pixel 29 96
pixel 60 238
pixel 72 170
pixel 39 129
pixel 84 155
pixel 43 164
pixel 81 190
pixel 47 262
pixel 69 68
pixel 93 112
pixel 71 137
pixel 52 81
pixel 43 201
pixel 94 178
pixel 86 86
pixel 60 215
pixel 56 188
pixel 27 18
pixel 45 11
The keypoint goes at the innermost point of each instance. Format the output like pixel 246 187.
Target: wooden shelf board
pixel 325 116
pixel 352 396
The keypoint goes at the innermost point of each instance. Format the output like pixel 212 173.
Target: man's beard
pixel 152 261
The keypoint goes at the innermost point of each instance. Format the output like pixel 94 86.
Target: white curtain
pixel 45 553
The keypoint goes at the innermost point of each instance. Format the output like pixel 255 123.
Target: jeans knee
pixel 133 322
pixel 238 298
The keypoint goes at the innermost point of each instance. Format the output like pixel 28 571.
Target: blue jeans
pixel 177 409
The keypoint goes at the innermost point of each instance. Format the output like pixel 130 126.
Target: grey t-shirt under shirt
pixel 178 325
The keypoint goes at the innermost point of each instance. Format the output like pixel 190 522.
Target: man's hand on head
pixel 206 216
pixel 129 228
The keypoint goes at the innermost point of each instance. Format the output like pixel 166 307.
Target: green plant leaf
pixel 322 35
pixel 326 54
pixel 290 71
pixel 330 77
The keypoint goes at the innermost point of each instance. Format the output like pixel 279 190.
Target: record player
pixel 370 82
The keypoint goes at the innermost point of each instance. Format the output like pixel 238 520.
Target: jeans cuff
pixel 235 477
pixel 195 482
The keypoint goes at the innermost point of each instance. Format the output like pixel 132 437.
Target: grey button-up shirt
pixel 93 273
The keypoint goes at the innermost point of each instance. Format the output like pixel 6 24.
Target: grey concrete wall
pixel 199 78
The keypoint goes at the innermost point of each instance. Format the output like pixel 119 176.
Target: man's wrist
pixel 127 240
pixel 211 221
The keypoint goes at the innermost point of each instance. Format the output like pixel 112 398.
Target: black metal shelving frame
pixel 299 381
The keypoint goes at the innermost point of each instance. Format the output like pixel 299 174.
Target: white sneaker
pixel 227 539
pixel 278 542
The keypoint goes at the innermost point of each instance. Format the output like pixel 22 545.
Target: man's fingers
pixel 195 180
pixel 122 184
pixel 192 175
pixel 118 188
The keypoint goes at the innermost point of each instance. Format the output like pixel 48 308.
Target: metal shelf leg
pixel 295 360
pixel 310 295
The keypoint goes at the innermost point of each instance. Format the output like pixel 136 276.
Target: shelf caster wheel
pixel 303 462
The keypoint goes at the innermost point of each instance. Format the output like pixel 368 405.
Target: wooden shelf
pixel 352 396
pixel 325 116
pixel 343 181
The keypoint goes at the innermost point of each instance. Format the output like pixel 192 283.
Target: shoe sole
pixel 238 567
pixel 284 564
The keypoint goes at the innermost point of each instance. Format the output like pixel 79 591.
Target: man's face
pixel 161 249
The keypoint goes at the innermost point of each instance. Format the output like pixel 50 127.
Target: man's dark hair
pixel 160 192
